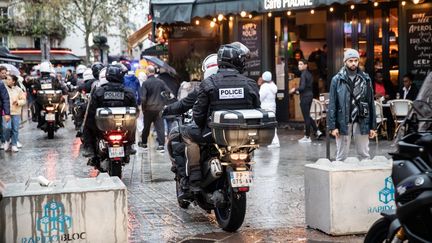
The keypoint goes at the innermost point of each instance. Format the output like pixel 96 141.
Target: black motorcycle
pixel 412 178
pixel 51 109
pixel 117 128
pixel 78 105
pixel 226 164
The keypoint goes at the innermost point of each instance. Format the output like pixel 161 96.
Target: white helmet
pixel 210 65
pixel 80 69
pixel 45 67
pixel 102 74
pixel 88 74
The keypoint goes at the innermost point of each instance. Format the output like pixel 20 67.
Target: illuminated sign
pixel 286 4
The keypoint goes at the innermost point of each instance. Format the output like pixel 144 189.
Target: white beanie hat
pixel 350 53
pixel 267 76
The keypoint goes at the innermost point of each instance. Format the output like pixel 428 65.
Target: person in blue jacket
pixel 4 103
pixel 132 82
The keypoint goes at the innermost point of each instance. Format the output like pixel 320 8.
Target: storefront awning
pixel 172 11
pixel 56 56
pixel 6 57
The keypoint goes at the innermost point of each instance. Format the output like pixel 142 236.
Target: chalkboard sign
pixel 419 47
pixel 250 35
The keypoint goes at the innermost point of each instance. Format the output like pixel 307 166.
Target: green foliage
pixel 193 65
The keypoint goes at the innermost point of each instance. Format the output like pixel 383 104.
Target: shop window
pixel 394 46
pixel 348 27
pixel 378 57
pixel 363 23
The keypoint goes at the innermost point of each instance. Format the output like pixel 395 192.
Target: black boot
pixel 195 180
pixel 184 192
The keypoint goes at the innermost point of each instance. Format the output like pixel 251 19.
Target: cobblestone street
pixel 275 207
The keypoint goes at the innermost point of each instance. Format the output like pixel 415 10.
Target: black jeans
pixel 149 118
pixel 305 105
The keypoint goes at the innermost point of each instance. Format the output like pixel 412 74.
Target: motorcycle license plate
pixel 241 178
pixel 50 117
pixel 46 86
pixel 115 152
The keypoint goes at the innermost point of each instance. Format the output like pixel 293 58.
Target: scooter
pixel 50 101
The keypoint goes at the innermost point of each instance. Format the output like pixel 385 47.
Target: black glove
pixel 164 111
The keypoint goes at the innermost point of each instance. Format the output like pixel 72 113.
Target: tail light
pixel 115 137
pixel 243 189
pixel 49 108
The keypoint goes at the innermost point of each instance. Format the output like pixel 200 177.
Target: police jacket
pixel 109 95
pixel 225 90
pixel 338 114
pixel 4 99
pixel 183 105
pixel 151 97
pixel 46 82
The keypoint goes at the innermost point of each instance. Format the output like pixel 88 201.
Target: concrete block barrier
pixel 71 210
pixel 347 197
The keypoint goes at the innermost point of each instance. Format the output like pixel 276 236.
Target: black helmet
pixel 115 73
pixel 233 55
pixel 96 67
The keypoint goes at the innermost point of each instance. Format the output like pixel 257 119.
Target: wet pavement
pixel 275 206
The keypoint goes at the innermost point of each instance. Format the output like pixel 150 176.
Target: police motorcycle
pixel 117 128
pixel 226 165
pixel 412 178
pixel 50 101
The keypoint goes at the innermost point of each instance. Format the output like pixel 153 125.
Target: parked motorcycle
pixel 411 175
pixel 117 127
pixel 51 105
pixel 226 165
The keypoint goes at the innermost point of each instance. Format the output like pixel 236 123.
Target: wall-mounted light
pixel 387 20
pixel 418 1
pixel 352 7
pixel 250 16
pixel 331 9
pixel 289 13
pixel 214 19
pixel 231 18
pixel 197 22
pixel 212 24
pixel 269 15
pixel 403 3
pixel 376 4
pixel 312 11
pixel 367 21
pixel 243 14
pixel 220 17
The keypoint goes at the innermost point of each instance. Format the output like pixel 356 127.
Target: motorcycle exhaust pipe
pixel 212 171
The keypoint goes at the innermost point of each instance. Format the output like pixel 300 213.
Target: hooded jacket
pixel 133 83
pixel 267 93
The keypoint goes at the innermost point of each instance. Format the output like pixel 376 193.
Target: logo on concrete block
pixel 54 219
pixel 386 194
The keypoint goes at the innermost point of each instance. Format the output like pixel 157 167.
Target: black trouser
pixel 305 105
pixel 149 118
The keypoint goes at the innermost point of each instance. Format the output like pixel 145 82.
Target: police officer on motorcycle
pixel 47 82
pixel 103 97
pixel 228 89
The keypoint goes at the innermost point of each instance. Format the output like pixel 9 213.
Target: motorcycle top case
pixel 45 97
pixel 243 127
pixel 112 118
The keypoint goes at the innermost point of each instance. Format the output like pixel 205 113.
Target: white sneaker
pixel 19 145
pixel 274 145
pixel 6 146
pixel 305 140
pixel 318 134
pixel 15 149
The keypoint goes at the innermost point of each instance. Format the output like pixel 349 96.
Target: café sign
pixel 286 4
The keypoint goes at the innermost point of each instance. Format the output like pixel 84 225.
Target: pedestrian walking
pixel 4 103
pixel 152 104
pixel 305 90
pixel 351 110
pixel 267 92
pixel 17 101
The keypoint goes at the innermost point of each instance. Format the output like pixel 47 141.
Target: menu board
pixel 250 36
pixel 419 42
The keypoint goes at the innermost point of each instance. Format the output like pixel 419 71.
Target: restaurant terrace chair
pixel 380 120
pixel 317 112
pixel 399 109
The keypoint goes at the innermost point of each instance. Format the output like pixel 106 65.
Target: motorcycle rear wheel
pixel 231 217
pixel 378 231
pixel 115 169
pixel 50 131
